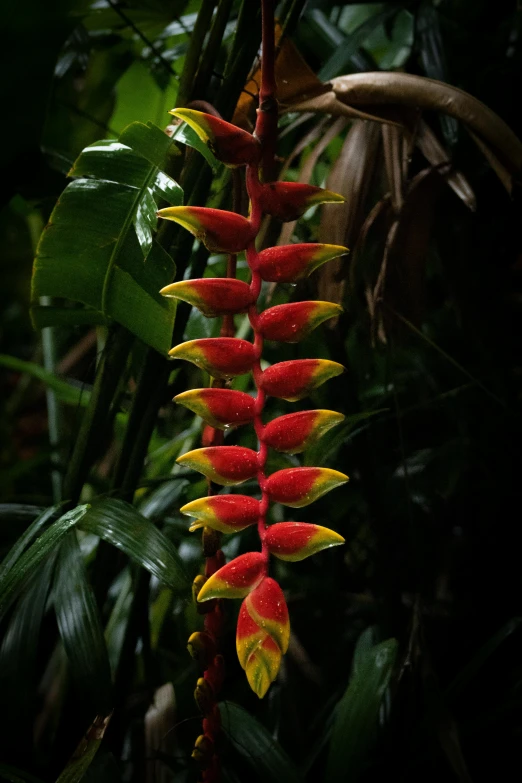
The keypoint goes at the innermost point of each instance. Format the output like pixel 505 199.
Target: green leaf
pixel 81 629
pixel 325 448
pixel 121 524
pixel 252 741
pixel 85 752
pixel 71 395
pixel 186 135
pixel 14 775
pixel 152 144
pixel 98 248
pixel 18 653
pixel 357 713
pixel 18 568
pixel 470 671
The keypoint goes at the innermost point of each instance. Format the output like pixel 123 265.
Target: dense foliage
pixel 405 647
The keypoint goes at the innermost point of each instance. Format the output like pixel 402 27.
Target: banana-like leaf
pixel 252 741
pixel 98 247
pixel 357 713
pixel 81 629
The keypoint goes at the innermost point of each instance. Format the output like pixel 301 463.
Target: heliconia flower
pixel 289 323
pixel 263 632
pixel 231 145
pixel 226 513
pixel 219 230
pixel 213 296
pixel 290 263
pixel 296 540
pixel 221 357
pixel 219 407
pixel 295 432
pixel 226 465
pixel 295 379
pixel 298 487
pixel 289 200
pixel 235 579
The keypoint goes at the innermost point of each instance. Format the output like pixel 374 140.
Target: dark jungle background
pixel 95 622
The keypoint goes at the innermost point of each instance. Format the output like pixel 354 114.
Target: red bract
pixel 221 357
pixel 236 579
pixel 231 145
pixel 296 432
pixel 263 632
pixel 226 465
pixel 296 540
pixel 290 263
pixel 295 379
pixel 219 407
pixel 212 296
pixel 289 200
pixel 298 487
pixel 220 231
pixel 289 323
pixel 226 513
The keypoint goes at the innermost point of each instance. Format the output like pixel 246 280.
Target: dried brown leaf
pixel 351 176
pixel 327 103
pixel 306 172
pixel 403 89
pixel 435 154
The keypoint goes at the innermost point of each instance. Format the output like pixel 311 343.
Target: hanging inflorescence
pixel 263 626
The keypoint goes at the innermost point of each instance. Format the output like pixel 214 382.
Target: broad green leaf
pixel 85 752
pixel 98 248
pixel 18 568
pixel 121 524
pixel 357 713
pixel 252 741
pixel 152 144
pixel 81 629
pixel 71 395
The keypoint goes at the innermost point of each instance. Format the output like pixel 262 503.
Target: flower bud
pixel 219 407
pixel 295 379
pixel 221 357
pixel 296 540
pixel 296 432
pixel 236 579
pixel 201 647
pixel 226 513
pixel 291 263
pixel 225 465
pixel 204 695
pixel 203 750
pixel 212 296
pixel 298 487
pixel 231 145
pixel 197 584
pixel 219 230
pixel 290 323
pixel 289 200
